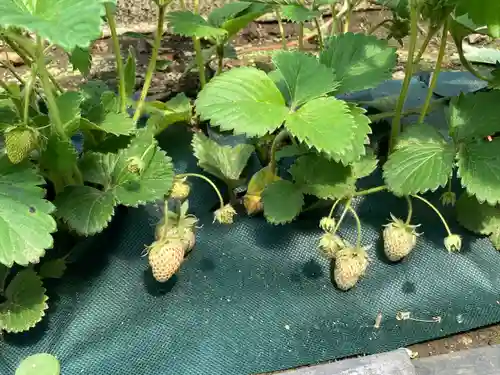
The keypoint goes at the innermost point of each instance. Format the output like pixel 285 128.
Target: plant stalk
pixel 282 135
pixel 435 75
pixel 436 211
pixel 430 34
pixel 410 210
pixel 372 190
pixel 333 208
pixel 301 36
pixel 396 122
pixel 412 111
pixel 378 26
pixel 152 62
pixel 27 52
pixel 358 225
pixel 197 50
pixel 333 29
pixel 347 18
pixel 120 70
pixel 220 59
pixel 342 216
pixel 281 28
pixel 320 33
pixel 53 108
pixel 27 95
pixel 7 65
pixel 219 195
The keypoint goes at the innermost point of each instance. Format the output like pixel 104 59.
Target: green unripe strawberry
pixel 399 239
pixel 350 266
pixel 19 142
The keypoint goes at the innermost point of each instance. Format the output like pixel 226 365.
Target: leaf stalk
pixel 396 122
pixel 435 75
pixel 152 61
pixel 118 57
pixel 436 211
pixel 217 191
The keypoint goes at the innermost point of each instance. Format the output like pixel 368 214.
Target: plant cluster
pixel 71 157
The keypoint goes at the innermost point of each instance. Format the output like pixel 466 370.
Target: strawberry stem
pixel 110 16
pixel 437 70
pixel 396 121
pixel 217 191
pixel 358 224
pixel 333 208
pixel 274 148
pixel 373 190
pixel 410 210
pixel 346 208
pixel 436 211
pixel 152 61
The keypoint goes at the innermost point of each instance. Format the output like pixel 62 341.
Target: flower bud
pixel 453 243
pixel 225 215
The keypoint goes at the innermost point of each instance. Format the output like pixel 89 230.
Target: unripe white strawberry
pixel 165 258
pixel 399 239
pixel 350 266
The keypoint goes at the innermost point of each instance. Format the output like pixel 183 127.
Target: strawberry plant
pixel 298 106
pixel 49 179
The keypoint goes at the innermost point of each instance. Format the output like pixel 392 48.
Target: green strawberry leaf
pixel 81 59
pixel 67 23
pixel 326 179
pixel 242 19
pixel 479 169
pixel 480 218
pixel 495 238
pixel 358 61
pixel 296 149
pixel 474 115
pixel 26 302
pixel 360 139
pixel 116 123
pixel 68 105
pixel 59 156
pixel 366 165
pixel 130 72
pixel 53 269
pixel 328 125
pixel 422 161
pixel 224 162
pixel 139 174
pixel 187 23
pixel 483 12
pixel 244 100
pixel 298 13
pixel 219 15
pixel 282 201
pixel 400 7
pixel 22 205
pixel 85 209
pixel 39 364
pixel 304 76
pixel 162 115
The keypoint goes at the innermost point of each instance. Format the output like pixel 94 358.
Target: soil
pixel 253 45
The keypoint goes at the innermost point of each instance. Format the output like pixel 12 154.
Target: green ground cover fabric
pixel 253 297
